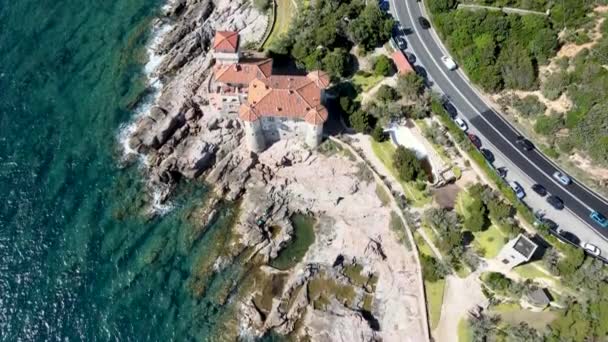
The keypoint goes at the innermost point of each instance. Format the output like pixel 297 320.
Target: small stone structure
pixel 517 251
pixel 271 107
pixel 536 300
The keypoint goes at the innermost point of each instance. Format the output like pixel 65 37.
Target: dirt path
pixel 459 297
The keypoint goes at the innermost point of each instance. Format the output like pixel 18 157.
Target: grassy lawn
pixel 490 241
pixel 366 80
pixel 463 200
pixel 433 290
pixel 464 331
pixel 434 299
pixel 384 196
pixel 285 10
pixel 384 151
pixel 533 270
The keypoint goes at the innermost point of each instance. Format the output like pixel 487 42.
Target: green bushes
pixel 320 37
pixel 432 269
pixel 261 5
pixel 383 66
pixel 408 166
pixel 495 49
pixel 548 124
pixel 528 106
pixel 555 84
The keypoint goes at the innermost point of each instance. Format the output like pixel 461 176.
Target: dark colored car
pixel 539 189
pixel 450 109
pixel 555 202
pixel 401 43
pixel 550 224
pixel 474 140
pixel 410 58
pixel 502 172
pixel 424 23
pixel 570 237
pixel 488 155
pixel 526 144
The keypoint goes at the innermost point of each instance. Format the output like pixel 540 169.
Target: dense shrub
pixel 410 86
pixel 528 106
pixel 386 94
pixel 548 124
pixel 408 166
pixel 383 66
pixel 555 84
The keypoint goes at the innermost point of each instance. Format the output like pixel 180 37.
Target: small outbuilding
pixel 517 251
pixel 535 300
pixel 401 62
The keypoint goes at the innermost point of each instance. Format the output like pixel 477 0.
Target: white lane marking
pixel 479 113
pixel 470 84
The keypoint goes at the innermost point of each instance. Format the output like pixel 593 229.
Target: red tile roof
pixel 287 96
pixel 226 41
pixel 403 65
pixel 243 72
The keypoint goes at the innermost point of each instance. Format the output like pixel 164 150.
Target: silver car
pixel 562 178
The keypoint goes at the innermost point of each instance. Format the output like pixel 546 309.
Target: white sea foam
pixel 126 130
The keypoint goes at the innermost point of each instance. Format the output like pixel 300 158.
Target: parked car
pixel 502 171
pixel 424 23
pixel 562 178
pixel 519 191
pixel 539 189
pixel 474 140
pixel 555 202
pixel 450 109
pixel 592 249
pixel 488 155
pixel 401 43
pixel 550 224
pixel 461 124
pixel 525 144
pixel 569 236
pixel 448 62
pixel 599 219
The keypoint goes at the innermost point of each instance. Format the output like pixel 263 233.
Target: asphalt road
pixel 424 43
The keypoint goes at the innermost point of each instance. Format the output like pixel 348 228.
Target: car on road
pixel 569 236
pixel 592 249
pixel 461 124
pixel 519 191
pixel 555 202
pixel 448 62
pixel 562 178
pixel 424 23
pixel 450 109
pixel 539 189
pixel 487 154
pixel 599 219
pixel 401 43
pixel 474 140
pixel 410 57
pixel 525 144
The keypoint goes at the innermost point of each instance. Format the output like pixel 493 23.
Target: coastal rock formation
pixel 339 288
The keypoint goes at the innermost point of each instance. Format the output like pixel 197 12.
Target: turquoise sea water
pixel 78 259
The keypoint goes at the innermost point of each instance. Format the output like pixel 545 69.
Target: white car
pixel 592 249
pixel 519 191
pixel 461 124
pixel 562 178
pixel 448 62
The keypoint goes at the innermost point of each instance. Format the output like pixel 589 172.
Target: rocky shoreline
pixel 342 286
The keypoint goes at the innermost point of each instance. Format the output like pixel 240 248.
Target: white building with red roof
pixel 271 107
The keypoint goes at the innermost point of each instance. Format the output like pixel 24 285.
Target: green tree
pixel 386 94
pixel 383 66
pixel 410 86
pixel 359 120
pixel 408 166
pixel 517 68
pixel 378 133
pixel 497 282
pixel 438 6
pixel 335 62
pixel 476 220
pixel 371 28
